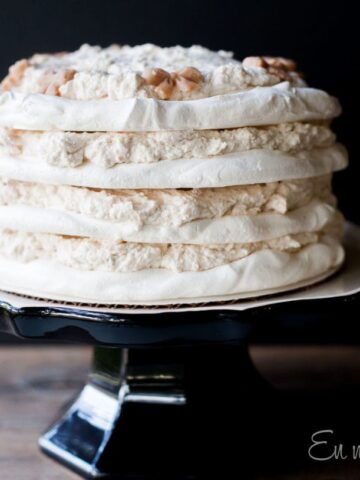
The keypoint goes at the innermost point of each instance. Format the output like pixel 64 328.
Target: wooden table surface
pixel 35 381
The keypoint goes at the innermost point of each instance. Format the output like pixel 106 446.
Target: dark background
pixel 321 35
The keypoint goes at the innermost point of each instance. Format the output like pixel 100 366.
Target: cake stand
pixel 161 377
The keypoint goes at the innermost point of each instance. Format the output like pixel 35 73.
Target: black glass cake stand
pixel 160 378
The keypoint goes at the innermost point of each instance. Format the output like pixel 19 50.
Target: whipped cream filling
pixel 239 168
pixel 109 256
pixel 119 72
pixel 169 207
pixel 70 149
pixel 226 78
pixel 281 103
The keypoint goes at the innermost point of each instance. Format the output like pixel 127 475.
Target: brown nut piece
pixel 280 62
pixel 277 66
pixel 165 89
pixel 279 72
pixel 185 85
pixel 16 72
pixel 185 80
pixel 51 81
pixel 191 73
pixel 254 62
pixel 155 76
pixel 57 80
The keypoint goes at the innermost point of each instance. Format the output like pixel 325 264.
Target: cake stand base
pixel 138 409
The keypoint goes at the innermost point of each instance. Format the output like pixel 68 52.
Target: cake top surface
pixel 116 58
pixel 166 73
pixel 152 88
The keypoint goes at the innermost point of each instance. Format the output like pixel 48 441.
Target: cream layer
pixel 71 149
pixel 113 256
pixel 223 230
pixel 123 72
pixel 168 207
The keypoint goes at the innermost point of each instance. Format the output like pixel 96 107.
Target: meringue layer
pixel 238 168
pixel 280 103
pixel 265 271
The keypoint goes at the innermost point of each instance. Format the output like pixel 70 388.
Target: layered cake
pixel 148 175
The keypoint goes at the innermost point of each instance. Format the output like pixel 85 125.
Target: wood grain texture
pixel 35 382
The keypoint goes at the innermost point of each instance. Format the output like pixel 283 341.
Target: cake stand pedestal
pixel 162 384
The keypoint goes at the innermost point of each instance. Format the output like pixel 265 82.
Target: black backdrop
pixel 322 36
